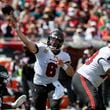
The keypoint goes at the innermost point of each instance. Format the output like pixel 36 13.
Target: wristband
pixel 65 67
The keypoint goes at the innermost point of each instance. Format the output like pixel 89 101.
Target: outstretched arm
pixel 30 45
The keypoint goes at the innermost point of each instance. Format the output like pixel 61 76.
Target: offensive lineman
pixel 49 59
pixel 88 78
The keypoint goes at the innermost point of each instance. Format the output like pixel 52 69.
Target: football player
pixel 49 59
pixel 89 77
pixel 4 91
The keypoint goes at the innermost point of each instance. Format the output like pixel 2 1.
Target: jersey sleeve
pixel 104 63
pixel 41 47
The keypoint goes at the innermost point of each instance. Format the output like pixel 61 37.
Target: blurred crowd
pixel 82 22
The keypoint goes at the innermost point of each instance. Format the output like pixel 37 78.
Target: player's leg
pixel 87 93
pixel 39 97
pixel 15 104
pixel 54 103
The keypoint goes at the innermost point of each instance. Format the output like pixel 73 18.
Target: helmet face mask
pixel 55 40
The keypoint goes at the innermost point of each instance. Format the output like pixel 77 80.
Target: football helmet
pixel 55 39
pixel 3 73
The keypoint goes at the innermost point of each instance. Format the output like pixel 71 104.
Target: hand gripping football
pixel 7 9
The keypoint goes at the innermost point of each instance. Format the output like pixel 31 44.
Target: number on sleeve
pixel 51 69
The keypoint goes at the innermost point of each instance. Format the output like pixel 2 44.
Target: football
pixel 7 9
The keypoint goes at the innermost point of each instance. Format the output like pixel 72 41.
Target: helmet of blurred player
pixel 55 39
pixel 3 73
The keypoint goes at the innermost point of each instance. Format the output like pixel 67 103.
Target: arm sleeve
pixel 104 64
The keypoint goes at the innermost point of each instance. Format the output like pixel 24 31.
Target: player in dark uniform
pixel 3 91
